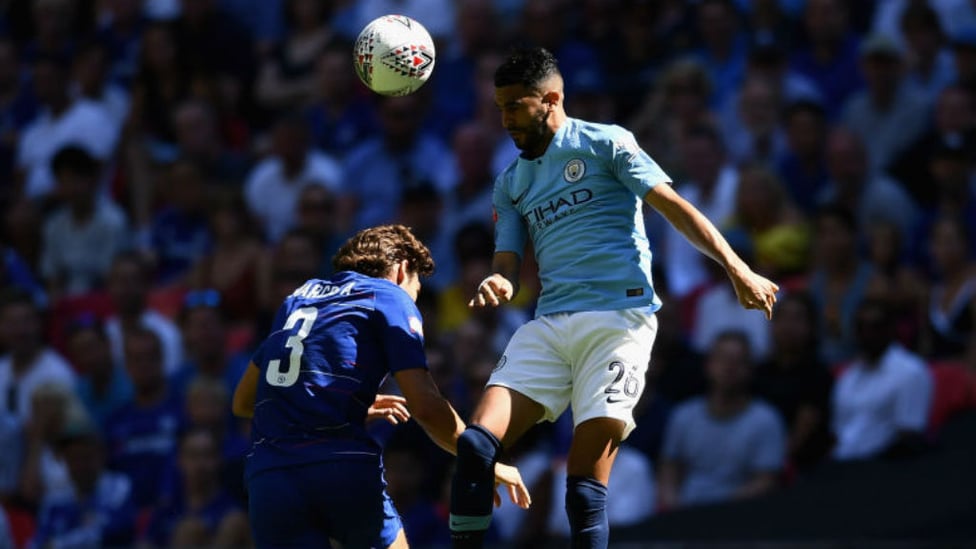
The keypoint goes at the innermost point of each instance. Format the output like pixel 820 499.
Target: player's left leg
pixel 591 456
pixel 613 349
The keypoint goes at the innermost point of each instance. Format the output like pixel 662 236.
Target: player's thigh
pixel 612 350
pixel 594 448
pixel 361 512
pixel 531 382
pixel 279 514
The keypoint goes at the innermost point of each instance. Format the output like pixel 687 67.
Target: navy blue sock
pixel 473 488
pixel 586 505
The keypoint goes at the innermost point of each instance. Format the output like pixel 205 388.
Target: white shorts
pixel 594 361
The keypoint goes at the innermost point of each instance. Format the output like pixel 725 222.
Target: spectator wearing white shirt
pixel 881 401
pixel 274 185
pixel 86 232
pixel 64 120
pixel 128 286
pixel 28 363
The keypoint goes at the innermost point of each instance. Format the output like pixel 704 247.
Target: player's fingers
pixel 390 399
pixel 519 494
pixel 498 497
pixel 400 412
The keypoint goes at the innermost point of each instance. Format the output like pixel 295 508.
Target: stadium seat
pixel 954 390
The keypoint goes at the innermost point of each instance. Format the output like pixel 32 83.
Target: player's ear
pixel 401 271
pixel 552 98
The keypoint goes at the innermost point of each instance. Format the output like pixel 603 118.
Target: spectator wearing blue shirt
pixel 179 235
pixel 102 385
pixel 98 510
pixel 142 435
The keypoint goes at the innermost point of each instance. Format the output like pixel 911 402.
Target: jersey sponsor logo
pixel 554 210
pixel 574 170
pixel 416 326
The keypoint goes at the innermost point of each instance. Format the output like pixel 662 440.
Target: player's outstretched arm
pixel 244 394
pixel 754 291
pixel 441 422
pixel 500 286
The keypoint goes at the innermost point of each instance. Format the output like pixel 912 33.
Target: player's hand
pixel 493 291
pixel 392 408
pixel 517 491
pixel 754 291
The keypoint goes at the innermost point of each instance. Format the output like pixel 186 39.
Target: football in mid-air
pixel 394 55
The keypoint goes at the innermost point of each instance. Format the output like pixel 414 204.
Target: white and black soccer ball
pixel 394 55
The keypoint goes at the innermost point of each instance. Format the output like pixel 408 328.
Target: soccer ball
pixel 394 55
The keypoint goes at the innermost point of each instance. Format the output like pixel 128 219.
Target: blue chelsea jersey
pixel 580 203
pixel 333 343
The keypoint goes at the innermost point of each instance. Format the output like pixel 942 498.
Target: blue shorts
pixel 305 506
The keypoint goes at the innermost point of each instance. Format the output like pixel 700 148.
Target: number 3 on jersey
pixel 305 318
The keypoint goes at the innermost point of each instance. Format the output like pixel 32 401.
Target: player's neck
pixel 555 121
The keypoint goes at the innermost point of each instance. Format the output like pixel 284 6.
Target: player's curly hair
pixel 375 251
pixel 529 67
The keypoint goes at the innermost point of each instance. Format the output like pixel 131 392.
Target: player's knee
pixel 586 502
pixel 477 448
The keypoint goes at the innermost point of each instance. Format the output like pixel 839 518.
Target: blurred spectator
pixel 870 197
pixel 286 76
pixel 964 48
pixel 28 362
pixel 421 208
pixel 338 117
pixel 802 165
pixel 881 401
pixel 470 198
pixel 83 235
pixel 829 58
pixel 951 309
pixel 63 121
pixel 6 542
pixel 795 382
pixel 635 54
pixel 200 513
pixel 954 128
pixel 103 386
pixel 547 24
pixel 120 27
pixel 23 231
pixel 18 107
pixel 207 405
pixel 296 258
pixel 961 18
pixel 97 510
pixel 928 59
pixel 141 436
pixel 231 267
pixel 894 279
pixel 13 441
pixel 205 339
pixel 44 474
pixel 317 214
pixel 724 47
pixel 591 98
pixel 954 180
pixel 778 233
pixel 16 273
pixel 161 83
pixel 401 157
pixel 198 139
pixel 264 20
pixel 53 23
pixel 476 29
pixel 725 445
pixel 754 135
pixel 838 281
pixel 128 288
pixel 711 186
pixel 273 185
pixel 91 81
pixel 889 17
pixel 888 115
pixel 437 15
pixel 179 235
pixel 676 107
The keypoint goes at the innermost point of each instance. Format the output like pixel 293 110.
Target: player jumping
pixel 576 191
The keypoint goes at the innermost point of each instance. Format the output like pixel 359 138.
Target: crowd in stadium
pixel 170 170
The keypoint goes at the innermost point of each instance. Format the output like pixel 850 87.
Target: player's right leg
pixel 530 383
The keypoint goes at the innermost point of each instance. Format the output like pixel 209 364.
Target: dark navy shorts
pixel 307 505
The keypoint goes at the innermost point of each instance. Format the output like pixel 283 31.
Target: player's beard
pixel 534 136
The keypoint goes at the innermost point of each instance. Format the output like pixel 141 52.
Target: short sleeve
pixel 510 231
pixel 402 331
pixel 770 444
pixel 634 167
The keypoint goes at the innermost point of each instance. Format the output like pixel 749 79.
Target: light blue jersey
pixel 580 202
